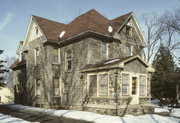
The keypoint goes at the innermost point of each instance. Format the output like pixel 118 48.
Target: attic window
pixel 37 31
pixel 128 30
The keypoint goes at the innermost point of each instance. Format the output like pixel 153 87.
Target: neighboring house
pixel 92 63
pixel 6 94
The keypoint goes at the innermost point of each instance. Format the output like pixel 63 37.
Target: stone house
pixel 92 63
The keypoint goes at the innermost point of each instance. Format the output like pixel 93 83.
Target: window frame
pixel 37 56
pixel 57 87
pixel 98 85
pixel 38 88
pixel 67 60
pixel 128 92
pixel 104 53
pixel 58 56
pixel 100 94
pixel 144 85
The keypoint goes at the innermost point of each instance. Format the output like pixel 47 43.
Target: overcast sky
pixel 15 14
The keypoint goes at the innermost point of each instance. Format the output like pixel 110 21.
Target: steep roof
pixel 51 29
pixel 89 21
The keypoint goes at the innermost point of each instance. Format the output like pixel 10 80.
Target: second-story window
pixel 104 51
pixel 55 55
pixel 37 56
pixel 128 50
pixel 68 64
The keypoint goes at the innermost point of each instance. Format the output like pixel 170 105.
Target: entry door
pixel 134 90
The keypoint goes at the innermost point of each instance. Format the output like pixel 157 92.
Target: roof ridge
pixel 121 16
pixel 47 19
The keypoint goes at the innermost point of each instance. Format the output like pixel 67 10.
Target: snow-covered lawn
pixel 9 119
pixel 98 118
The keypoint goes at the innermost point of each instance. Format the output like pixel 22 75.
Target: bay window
pixel 103 84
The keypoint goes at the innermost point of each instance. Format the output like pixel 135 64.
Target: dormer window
pixel 37 30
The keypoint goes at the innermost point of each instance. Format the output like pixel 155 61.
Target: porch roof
pixel 17 64
pixel 116 63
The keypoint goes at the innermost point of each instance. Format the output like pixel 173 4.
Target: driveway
pixel 36 117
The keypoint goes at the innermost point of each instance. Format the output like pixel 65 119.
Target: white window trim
pixel 59 80
pixel 98 91
pixel 59 56
pixel 129 89
pixel 66 64
pixel 145 93
pixel 107 84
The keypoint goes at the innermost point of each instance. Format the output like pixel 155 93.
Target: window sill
pixel 55 63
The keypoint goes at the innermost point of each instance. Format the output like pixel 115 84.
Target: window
pixel 128 30
pixel 37 56
pixel 56 86
pixel 38 87
pixel 68 60
pixel 103 84
pixel 134 85
pixel 55 55
pixel 104 50
pixel 128 50
pixel 37 31
pixel 142 80
pixel 93 85
pixel 125 84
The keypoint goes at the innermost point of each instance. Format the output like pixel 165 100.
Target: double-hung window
pixel 68 60
pixel 55 55
pixel 103 84
pixel 92 85
pixel 98 85
pixel 56 86
pixel 142 80
pixel 37 56
pixel 125 84
pixel 104 51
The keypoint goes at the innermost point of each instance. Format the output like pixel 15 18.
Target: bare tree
pixel 8 76
pixel 164 29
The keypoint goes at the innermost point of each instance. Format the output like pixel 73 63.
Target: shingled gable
pixel 116 63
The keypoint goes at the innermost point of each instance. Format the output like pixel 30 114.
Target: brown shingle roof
pixel 51 29
pixel 17 64
pixel 89 21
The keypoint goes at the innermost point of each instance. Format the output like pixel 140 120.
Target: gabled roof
pixel 116 63
pixel 91 21
pixel 17 64
pixel 51 29
pixel 19 48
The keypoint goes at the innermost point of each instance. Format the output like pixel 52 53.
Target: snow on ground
pixel 160 109
pixel 9 119
pixel 175 112
pixel 98 118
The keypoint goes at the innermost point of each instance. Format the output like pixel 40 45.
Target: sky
pixel 15 14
